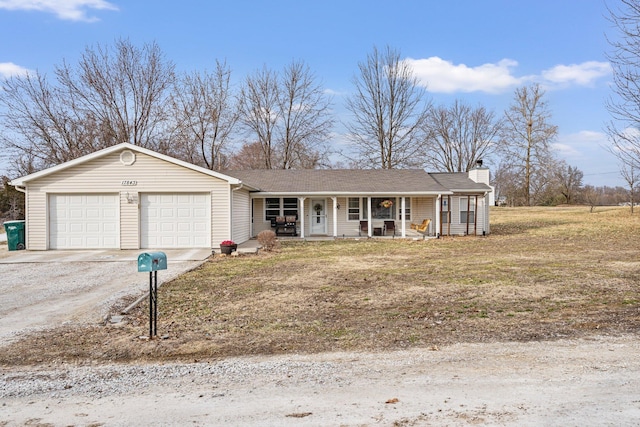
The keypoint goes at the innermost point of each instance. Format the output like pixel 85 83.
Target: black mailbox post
pixel 152 262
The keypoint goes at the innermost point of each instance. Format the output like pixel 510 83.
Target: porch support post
pixel 335 216
pixel 438 216
pixel 475 217
pixel 449 215
pixel 403 216
pixel 303 215
pixel 370 219
pixel 468 211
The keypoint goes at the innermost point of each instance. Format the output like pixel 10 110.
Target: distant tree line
pixel 277 119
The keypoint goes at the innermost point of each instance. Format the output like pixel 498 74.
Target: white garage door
pixel 83 221
pixel 175 221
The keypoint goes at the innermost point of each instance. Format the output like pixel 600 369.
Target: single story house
pixel 129 197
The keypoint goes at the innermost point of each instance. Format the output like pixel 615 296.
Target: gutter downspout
pixel 23 190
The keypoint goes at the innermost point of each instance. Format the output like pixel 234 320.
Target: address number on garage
pixel 128 183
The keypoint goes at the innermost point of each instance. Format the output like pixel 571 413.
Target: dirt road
pixel 589 382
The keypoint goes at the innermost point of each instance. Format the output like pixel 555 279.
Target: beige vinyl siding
pixel 129 220
pixel 37 230
pixel 106 174
pixel 241 216
pixel 220 221
pixel 346 227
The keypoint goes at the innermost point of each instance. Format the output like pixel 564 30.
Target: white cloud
pixel 583 74
pixel 589 151
pixel 71 10
pixel 9 69
pixel 585 139
pixel 441 76
pixel 583 144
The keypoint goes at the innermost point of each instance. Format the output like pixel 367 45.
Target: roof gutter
pixel 260 194
pixel 20 188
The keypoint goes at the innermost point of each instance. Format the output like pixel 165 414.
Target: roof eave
pixel 114 148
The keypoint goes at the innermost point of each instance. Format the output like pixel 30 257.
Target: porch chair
pixel 390 226
pixel 422 228
pixel 364 226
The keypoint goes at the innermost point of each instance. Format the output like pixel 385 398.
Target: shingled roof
pixel 458 182
pixel 348 181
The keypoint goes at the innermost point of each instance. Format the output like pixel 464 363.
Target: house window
pixel 271 208
pixel 353 211
pixel 290 205
pixel 467 210
pixel 444 213
pixel 276 206
pixel 383 208
pixel 407 205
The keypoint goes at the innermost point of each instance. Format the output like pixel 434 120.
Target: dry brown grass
pixel 543 273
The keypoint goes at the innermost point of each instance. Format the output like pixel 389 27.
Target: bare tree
pixel 259 113
pixel 288 114
pixel 508 185
pixel 112 96
pixel 249 156
pixel 39 127
pixel 459 136
pixel 205 113
pixel 124 89
pixel 527 135
pixel 628 172
pixel 592 196
pixel 11 201
pixel 569 181
pixel 389 112
pixel 306 119
pixel 624 129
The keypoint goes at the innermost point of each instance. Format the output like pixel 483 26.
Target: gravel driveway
pixel 45 289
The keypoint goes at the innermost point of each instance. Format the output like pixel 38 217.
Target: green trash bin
pixel 15 234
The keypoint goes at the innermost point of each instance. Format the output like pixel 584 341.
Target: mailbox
pixel 152 261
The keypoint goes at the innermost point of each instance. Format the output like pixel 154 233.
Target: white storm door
pixel 175 220
pixel 318 216
pixel 84 221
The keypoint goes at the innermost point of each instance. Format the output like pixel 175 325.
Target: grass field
pixel 543 274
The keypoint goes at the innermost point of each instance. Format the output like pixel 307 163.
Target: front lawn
pixel 543 274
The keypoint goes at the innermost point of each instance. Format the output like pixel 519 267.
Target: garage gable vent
pixel 127 158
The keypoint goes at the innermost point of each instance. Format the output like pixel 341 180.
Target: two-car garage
pixel 167 220
pixel 128 197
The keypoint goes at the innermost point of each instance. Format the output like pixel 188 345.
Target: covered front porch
pixel 349 216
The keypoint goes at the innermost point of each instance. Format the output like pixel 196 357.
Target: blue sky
pixel 475 51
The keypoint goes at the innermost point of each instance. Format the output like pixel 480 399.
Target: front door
pixel 318 216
